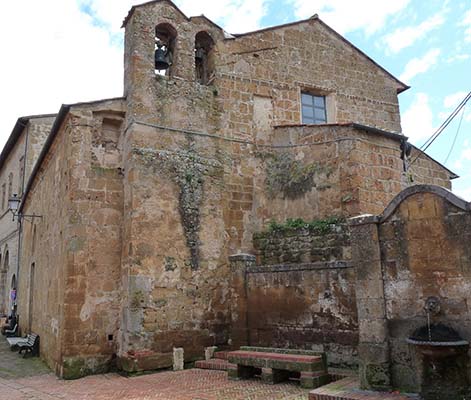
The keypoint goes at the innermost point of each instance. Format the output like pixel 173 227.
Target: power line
pixel 442 127
pixel 456 136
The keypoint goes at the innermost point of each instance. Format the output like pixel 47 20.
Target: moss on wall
pixel 287 176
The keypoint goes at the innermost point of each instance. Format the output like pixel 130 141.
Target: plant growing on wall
pixel 318 226
pixel 287 176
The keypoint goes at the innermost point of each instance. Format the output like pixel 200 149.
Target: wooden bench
pixel 277 365
pixel 30 346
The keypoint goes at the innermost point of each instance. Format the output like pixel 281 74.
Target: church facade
pixel 143 198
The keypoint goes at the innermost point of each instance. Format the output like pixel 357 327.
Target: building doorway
pixel 31 298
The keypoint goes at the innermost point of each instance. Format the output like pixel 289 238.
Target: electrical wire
pixel 456 136
pixel 442 127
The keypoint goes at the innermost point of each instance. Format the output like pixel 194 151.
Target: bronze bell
pixel 199 53
pixel 160 58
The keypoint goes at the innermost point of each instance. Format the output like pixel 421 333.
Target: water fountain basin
pixel 438 341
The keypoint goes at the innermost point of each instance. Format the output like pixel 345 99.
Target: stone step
pixel 214 364
pixel 221 355
pixel 336 374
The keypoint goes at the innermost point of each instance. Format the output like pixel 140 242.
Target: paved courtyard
pixel 22 379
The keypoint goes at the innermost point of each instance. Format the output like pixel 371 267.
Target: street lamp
pixel 13 206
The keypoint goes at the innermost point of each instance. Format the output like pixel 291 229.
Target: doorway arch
pixel 4 290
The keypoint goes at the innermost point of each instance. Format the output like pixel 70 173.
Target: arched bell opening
pixel 165 39
pixel 204 58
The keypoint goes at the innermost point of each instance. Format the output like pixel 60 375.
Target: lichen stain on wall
pixel 187 169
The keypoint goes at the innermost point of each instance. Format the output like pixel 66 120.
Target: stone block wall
pixel 417 249
pixel 199 161
pixel 425 252
pixel 301 295
pixel 278 64
pixel 175 270
pixel 42 275
pixel 71 257
pixel 15 171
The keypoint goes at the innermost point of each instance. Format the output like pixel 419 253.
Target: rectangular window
pixel 313 109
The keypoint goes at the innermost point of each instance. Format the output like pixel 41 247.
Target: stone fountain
pixel 442 356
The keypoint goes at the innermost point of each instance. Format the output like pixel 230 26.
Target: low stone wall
pixel 314 242
pixel 303 296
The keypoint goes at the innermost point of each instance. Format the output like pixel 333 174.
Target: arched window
pixel 4 292
pixel 10 184
pixel 33 242
pixel 204 58
pixel 164 54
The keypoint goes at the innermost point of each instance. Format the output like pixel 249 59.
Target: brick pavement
pixel 29 379
pixel 183 385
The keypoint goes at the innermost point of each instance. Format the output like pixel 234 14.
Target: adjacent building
pixel 16 163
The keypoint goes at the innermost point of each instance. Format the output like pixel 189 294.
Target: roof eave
pixel 20 124
pixel 401 86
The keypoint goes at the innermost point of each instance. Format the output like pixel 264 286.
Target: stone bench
pixel 278 366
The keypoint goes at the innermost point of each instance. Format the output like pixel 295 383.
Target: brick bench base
pixel 277 367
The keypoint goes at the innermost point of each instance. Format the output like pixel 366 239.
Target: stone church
pixel 150 202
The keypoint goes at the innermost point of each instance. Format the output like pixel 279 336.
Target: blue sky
pixel 65 51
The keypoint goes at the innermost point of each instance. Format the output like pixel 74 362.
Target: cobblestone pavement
pixel 29 379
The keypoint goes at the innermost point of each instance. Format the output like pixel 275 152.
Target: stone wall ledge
pixel 300 267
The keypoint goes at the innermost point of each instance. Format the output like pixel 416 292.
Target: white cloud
pixel 464 193
pixel 417 120
pixel 235 16
pixel 347 15
pixel 71 50
pixel 53 54
pixel 458 57
pixel 462 166
pixel 406 36
pixel 452 100
pixel 418 66
pixel 467 23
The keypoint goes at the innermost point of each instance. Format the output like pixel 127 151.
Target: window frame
pixel 308 120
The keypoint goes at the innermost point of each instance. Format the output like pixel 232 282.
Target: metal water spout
pixel 432 307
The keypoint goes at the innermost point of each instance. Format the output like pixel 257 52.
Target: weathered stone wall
pixel 193 199
pixel 72 298
pixel 199 162
pixel 41 288
pixel 424 171
pixel 425 252
pixel 278 64
pixel 149 211
pixel 303 294
pixel 417 249
pixel 24 153
pixel 175 269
